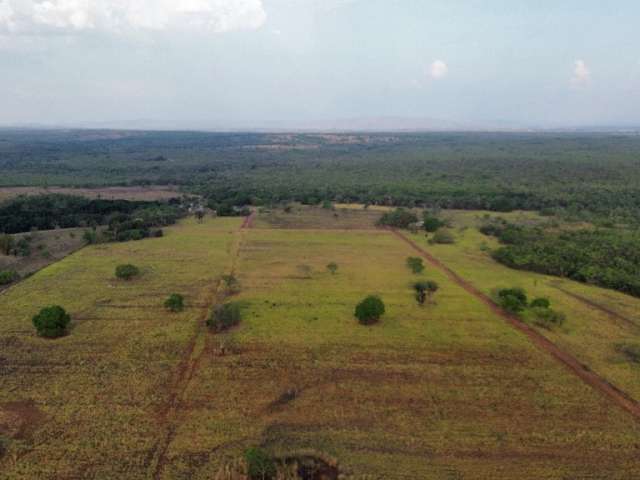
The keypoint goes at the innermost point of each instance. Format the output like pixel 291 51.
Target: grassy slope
pixel 445 391
pixel 589 334
pixel 99 389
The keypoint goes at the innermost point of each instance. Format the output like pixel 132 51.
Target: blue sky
pixel 253 63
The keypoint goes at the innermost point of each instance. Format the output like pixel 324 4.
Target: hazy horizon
pixel 320 64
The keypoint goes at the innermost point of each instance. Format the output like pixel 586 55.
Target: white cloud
pixel 581 74
pixel 438 69
pixel 73 16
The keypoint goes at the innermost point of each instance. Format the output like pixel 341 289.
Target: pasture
pixel 443 391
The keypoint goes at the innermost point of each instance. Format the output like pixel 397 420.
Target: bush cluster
pixel 224 317
pixel 52 322
pixel 175 303
pixel 127 271
pixel 538 311
pixel 8 276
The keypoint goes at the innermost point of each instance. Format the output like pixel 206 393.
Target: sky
pixel 214 64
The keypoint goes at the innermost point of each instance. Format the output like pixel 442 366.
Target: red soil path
pixel 582 371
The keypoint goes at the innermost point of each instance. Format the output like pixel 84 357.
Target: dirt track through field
pixel 582 371
pixel 170 415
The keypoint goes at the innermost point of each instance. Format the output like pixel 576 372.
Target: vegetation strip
pixel 185 372
pixel 582 371
pixel 617 317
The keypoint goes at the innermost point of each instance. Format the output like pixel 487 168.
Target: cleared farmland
pixel 444 391
pixel 86 406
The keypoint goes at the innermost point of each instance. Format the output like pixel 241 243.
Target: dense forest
pixel 605 257
pixel 582 176
pixel 127 220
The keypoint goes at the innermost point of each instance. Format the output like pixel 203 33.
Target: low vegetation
pixel 175 303
pixel 332 268
pixel 538 311
pixel 127 271
pixel 260 465
pixel 224 316
pixel 398 218
pixel 415 264
pixel 369 310
pixel 8 276
pixel 52 322
pixel 425 291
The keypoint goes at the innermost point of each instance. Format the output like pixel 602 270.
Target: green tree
pixel 432 223
pixel 127 271
pixel 415 264
pixel 540 303
pixel 175 303
pixel 333 268
pixel 425 290
pixel 513 300
pixel 52 322
pixel 224 317
pixel 369 310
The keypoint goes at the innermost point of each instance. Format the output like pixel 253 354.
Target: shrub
pixel 333 268
pixel 630 350
pixel 51 322
pixel 260 465
pixel 6 243
pixel 127 272
pixel 8 276
pixel 369 310
pixel 398 218
pixel 224 317
pixel 442 237
pixel 540 303
pixel 546 317
pixel 175 303
pixel 513 300
pixel 425 290
pixel 432 223
pixel 230 283
pixel 90 236
pixel 415 264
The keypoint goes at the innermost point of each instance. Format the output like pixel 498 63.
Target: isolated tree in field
pixel 224 317
pixel 333 268
pixel 370 310
pixel 199 215
pixel 175 303
pixel 51 322
pixel 127 271
pixel 415 264
pixel 425 290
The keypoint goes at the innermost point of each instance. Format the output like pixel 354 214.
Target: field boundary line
pixel 596 306
pixel 582 371
pixel 188 365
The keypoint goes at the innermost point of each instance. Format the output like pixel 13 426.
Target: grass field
pixel 589 333
pixel 86 406
pixel 445 391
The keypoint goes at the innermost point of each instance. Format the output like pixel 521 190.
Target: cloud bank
pixel 35 17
